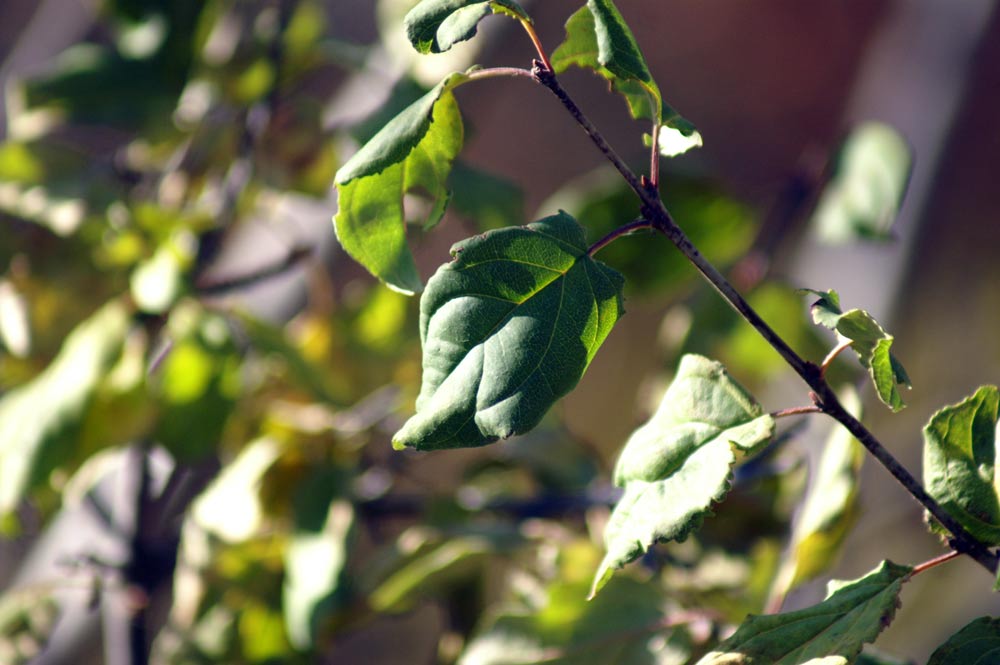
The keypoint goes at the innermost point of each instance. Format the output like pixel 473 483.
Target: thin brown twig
pixel 624 230
pixel 796 411
pixel 936 561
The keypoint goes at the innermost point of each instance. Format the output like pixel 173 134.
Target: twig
pixel 623 230
pixel 652 209
pixel 834 352
pixel 796 411
pixel 936 561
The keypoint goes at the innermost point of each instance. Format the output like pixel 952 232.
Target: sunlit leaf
pixel 868 340
pixel 977 643
pixel 314 562
pixel 508 328
pixel 15 329
pixel 960 458
pixel 679 463
pixel 413 152
pixel 830 507
pixel 597 38
pixel 39 420
pixel 434 26
pixel 832 632
pixel 867 189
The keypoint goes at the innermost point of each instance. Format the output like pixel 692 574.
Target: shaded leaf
pixel 314 561
pixel 868 340
pixel 489 201
pixel 680 462
pixel 39 419
pixel 833 631
pixel 597 38
pixel 508 328
pixel 960 463
pixel 413 152
pixel 830 507
pixel 434 26
pixel 978 643
pixel 867 189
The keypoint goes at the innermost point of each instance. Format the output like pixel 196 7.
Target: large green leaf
pixel 434 26
pixel 412 153
pixel 960 463
pixel 831 632
pixel 508 328
pixel 677 464
pixel 867 188
pixel 39 419
pixel 830 507
pixel 597 38
pixel 869 340
pixel 978 643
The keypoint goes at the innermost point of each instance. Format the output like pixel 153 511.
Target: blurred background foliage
pixel 199 388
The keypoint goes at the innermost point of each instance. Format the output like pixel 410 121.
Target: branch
pixel 652 209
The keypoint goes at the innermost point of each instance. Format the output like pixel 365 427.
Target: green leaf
pixel 830 507
pixel 676 465
pixel 413 152
pixel 314 561
pixel 434 26
pixel 39 420
pixel 568 630
pixel 976 643
pixel 869 340
pixel 508 328
pixel 831 632
pixel 490 202
pixel 867 189
pixel 597 38
pixel 960 463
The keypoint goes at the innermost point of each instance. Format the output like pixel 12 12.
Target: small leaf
pixel 871 177
pixel 508 328
pixel 39 418
pixel 830 507
pixel 869 340
pixel 434 26
pixel 599 39
pixel 676 465
pixel 413 152
pixel 978 642
pixel 960 463
pixel 831 632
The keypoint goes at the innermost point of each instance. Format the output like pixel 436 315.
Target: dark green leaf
pixel 960 463
pixel 508 328
pixel 488 201
pixel 676 465
pixel 413 152
pixel 835 630
pixel 976 644
pixel 597 38
pixel 864 196
pixel 869 340
pixel 434 26
pixel 39 419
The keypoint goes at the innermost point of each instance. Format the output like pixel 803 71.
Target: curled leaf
pixel 434 26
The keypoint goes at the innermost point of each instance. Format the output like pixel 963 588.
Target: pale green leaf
pixel 830 507
pixel 868 186
pixel 39 419
pixel 508 328
pixel 314 562
pixel 834 631
pixel 978 643
pixel 869 341
pixel 412 153
pixel 680 462
pixel 568 630
pixel 434 26
pixel 960 463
